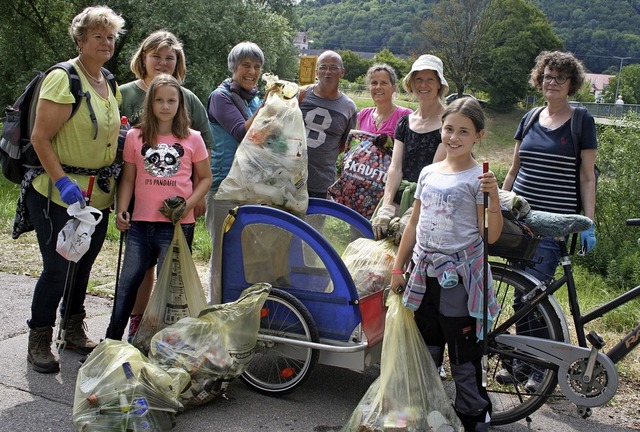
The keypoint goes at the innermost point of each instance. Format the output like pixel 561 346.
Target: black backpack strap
pixel 577 117
pixel 75 84
pixel 529 118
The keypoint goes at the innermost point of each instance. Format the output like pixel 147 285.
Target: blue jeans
pixel 146 246
pixel 48 219
pixel 549 251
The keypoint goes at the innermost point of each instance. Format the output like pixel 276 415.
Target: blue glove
pixel 587 240
pixel 69 191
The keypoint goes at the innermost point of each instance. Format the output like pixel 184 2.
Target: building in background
pixel 598 83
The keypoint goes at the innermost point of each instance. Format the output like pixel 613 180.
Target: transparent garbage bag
pixel 270 165
pixel 119 389
pixel 177 294
pixel 408 395
pixel 370 262
pixel 213 348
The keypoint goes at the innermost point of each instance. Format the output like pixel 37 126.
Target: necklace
pixel 380 118
pixel 96 80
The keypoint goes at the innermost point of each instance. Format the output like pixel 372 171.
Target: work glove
pixel 587 240
pixel 173 208
pixel 397 226
pixel 380 223
pixel 404 221
pixel 69 191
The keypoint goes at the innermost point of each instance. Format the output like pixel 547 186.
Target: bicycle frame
pixel 560 356
pixel 622 348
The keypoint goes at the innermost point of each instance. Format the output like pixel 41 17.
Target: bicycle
pixel 586 376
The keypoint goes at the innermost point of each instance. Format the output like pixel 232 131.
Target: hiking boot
pixel 39 351
pixel 533 383
pixel 76 336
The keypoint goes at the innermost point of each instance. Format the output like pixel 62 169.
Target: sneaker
pixel 534 382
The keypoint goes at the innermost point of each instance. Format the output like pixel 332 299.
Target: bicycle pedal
pixel 596 340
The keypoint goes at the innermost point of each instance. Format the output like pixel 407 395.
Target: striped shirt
pixel 548 166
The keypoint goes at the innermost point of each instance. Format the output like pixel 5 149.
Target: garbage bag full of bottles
pixel 119 389
pixel 213 348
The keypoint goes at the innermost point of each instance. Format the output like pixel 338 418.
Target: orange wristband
pixel 396 271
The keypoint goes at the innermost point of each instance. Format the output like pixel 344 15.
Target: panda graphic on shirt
pixel 163 160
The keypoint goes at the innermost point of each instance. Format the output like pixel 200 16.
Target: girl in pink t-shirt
pixel 160 156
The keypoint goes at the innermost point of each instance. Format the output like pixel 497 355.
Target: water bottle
pixel 124 127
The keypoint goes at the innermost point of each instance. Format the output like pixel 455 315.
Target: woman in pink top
pixel 383 117
pixel 160 158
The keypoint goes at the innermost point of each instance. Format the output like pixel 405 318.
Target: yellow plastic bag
pixel 117 388
pixel 408 395
pixel 178 292
pixel 213 348
pixel 370 262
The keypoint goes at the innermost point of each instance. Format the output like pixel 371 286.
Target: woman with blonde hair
pixel 417 136
pixel 71 149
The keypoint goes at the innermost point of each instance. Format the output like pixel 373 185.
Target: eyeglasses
pixel 560 79
pixel 324 68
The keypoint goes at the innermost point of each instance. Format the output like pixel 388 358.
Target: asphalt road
pixel 33 402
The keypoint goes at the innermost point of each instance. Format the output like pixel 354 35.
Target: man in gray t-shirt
pixel 328 115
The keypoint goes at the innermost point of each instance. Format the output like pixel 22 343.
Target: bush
pixel 617 254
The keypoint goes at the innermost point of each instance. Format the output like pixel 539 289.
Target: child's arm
pixel 489 183
pixel 202 171
pixel 125 192
pixel 405 250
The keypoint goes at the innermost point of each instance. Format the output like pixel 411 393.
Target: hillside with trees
pixel 597 31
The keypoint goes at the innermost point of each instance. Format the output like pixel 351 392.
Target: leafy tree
pixel 584 94
pixel 354 65
pixel 33 36
pixel 457 33
pixel 207 37
pixel 629 86
pixel 402 67
pixel 518 33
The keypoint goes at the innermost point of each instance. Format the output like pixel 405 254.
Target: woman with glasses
pixel 548 171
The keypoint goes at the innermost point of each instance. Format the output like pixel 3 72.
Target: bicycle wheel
pixel 279 368
pixel 517 388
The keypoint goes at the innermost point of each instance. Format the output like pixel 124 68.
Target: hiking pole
pixel 69 285
pixel 485 282
pixel 115 288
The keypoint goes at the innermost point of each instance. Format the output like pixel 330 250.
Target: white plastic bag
pixel 74 238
